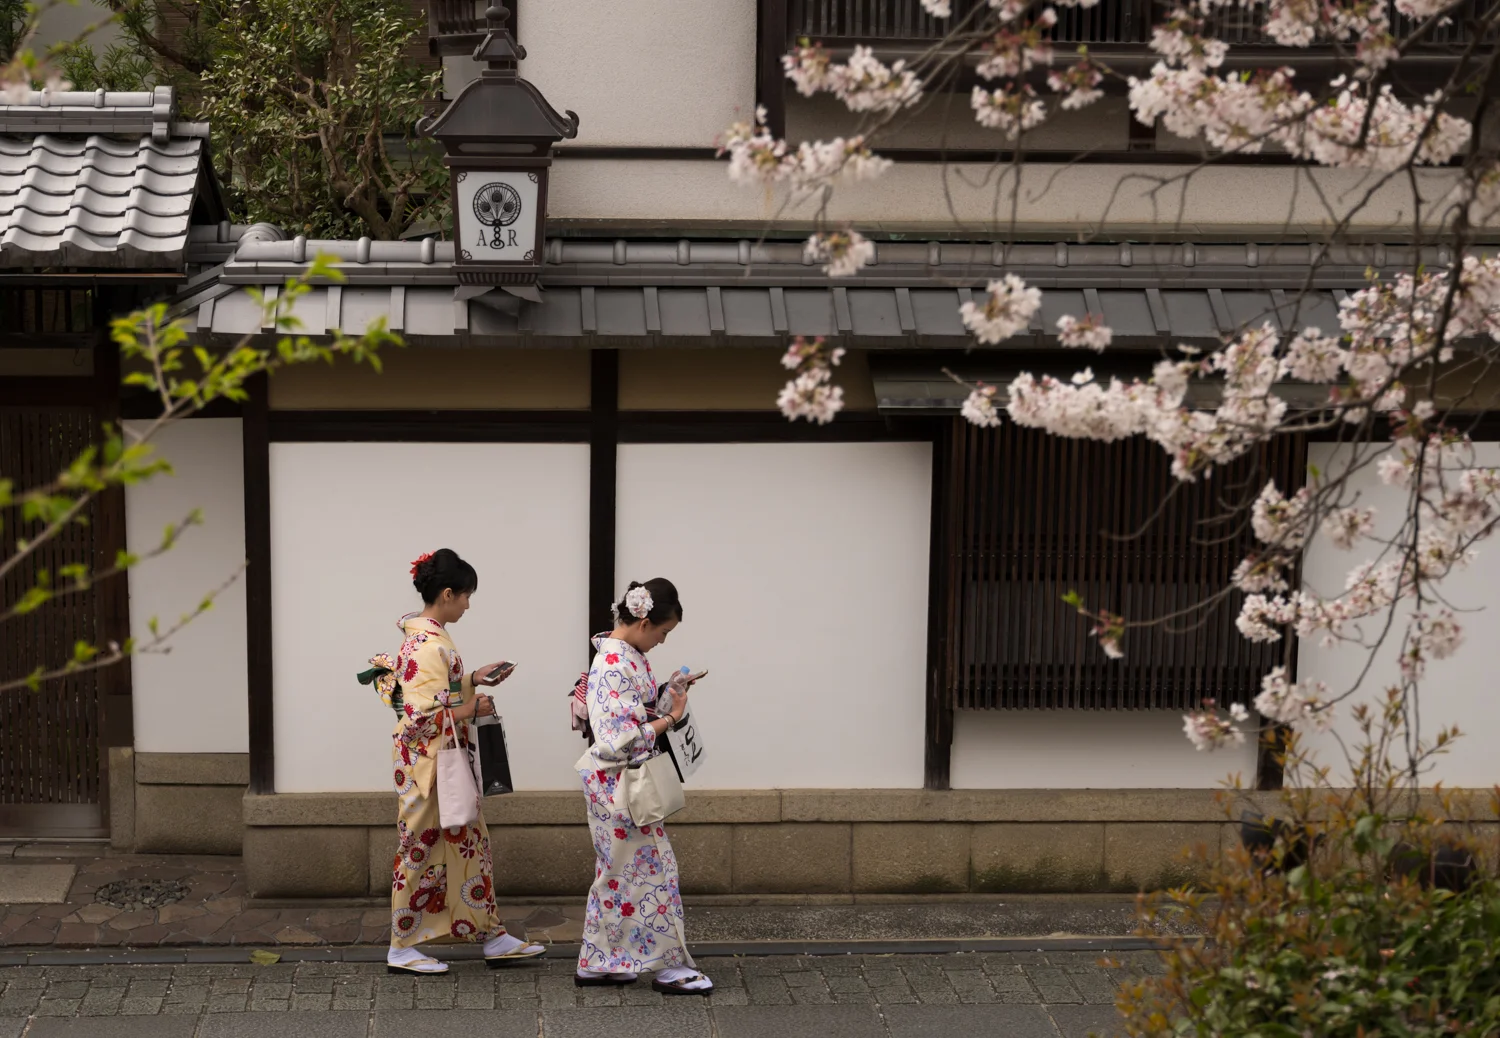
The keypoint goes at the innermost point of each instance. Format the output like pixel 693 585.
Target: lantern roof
pixel 498 107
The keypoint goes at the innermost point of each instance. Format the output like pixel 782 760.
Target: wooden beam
pixel 604 440
pixel 770 80
pixel 256 432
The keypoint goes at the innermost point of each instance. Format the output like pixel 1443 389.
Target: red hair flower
pixel 419 560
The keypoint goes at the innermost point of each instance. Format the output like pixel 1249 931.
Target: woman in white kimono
pixel 634 916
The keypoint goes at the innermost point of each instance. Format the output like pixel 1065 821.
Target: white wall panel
pixel 1459 690
pixel 803 573
pixel 346 521
pixel 1086 749
pixel 648 73
pixel 191 699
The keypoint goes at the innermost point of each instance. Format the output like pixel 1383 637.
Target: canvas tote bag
pixel 651 790
pixel 458 795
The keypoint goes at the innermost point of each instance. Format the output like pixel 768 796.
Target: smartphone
pixel 502 669
pixel 696 677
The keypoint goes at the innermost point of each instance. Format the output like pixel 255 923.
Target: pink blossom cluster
pixel 842 253
pixel 864 83
pixel 756 157
pixel 811 393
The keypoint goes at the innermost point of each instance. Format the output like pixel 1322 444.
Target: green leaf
pixel 261 957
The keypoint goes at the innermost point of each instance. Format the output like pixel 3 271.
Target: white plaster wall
pixel 643 73
pixel 1051 197
pixel 192 699
pixel 346 521
pixel 1086 749
pixel 69 22
pixel 803 574
pixel 1459 690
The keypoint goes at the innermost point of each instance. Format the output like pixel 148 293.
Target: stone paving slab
pixel 845 996
pixel 34 884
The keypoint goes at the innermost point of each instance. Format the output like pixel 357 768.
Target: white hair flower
pixel 638 602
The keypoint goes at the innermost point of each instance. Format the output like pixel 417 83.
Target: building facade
pixel 879 600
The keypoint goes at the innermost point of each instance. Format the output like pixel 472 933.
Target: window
pixel 1027 517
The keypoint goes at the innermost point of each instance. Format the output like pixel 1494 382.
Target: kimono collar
pixel 601 640
pixel 413 623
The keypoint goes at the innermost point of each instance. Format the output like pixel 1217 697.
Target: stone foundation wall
pixel 772 842
pixel 177 803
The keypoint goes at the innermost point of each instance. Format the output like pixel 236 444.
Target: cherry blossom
pixel 1006 310
pixel 1089 333
pixel 1288 702
pixel 811 394
pixel 1206 730
pixel 979 407
pixel 1012 109
pixel 938 8
pixel 1344 526
pixel 1011 52
pixel 1078 84
pixel 842 253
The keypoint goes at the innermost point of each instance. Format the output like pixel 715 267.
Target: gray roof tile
pixel 96 201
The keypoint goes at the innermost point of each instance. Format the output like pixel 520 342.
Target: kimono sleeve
pixel 618 716
pixel 429 692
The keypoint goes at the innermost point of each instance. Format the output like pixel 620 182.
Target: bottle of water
pixel 667 698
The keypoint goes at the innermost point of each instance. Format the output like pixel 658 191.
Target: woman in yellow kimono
pixel 442 881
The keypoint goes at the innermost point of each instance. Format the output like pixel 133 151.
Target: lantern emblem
pixel 497 205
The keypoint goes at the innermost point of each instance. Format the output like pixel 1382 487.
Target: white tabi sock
pixel 410 956
pixel 504 945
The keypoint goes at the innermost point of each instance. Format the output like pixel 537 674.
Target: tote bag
pixel 458 795
pixel 651 790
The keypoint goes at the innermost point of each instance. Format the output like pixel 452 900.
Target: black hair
pixel 665 605
pixel 443 569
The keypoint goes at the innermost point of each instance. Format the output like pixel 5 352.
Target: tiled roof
pixel 97 180
pixel 726 293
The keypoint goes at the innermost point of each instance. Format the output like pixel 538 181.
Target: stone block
pixel 307 861
pixel 911 858
pixel 383 843
pixel 193 769
pixel 1004 805
pixel 1153 855
pixel 542 859
pixel 188 819
pixel 374 809
pixel 787 858
pixel 1037 857
pixel 122 798
pixel 735 806
pixel 705 857
pixel 272 810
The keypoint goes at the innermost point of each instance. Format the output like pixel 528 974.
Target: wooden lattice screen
pixel 1028 517
pixel 49 740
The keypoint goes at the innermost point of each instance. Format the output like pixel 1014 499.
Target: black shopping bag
pixel 494 760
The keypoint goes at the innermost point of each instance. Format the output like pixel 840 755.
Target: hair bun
pixel 417 563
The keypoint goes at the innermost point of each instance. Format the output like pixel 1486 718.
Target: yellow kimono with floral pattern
pixel 442 885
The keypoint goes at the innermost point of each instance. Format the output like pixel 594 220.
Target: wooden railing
pixel 1124 22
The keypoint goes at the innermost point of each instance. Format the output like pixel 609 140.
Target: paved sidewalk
pixel 214 911
pixel 1006 995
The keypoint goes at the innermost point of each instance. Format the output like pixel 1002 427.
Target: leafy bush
pixel 1391 927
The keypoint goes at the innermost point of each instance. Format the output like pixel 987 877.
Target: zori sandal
pixel 525 951
pixel 604 980
pixel 419 968
pixel 697 984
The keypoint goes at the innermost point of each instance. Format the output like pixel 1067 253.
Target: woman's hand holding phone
pixel 494 673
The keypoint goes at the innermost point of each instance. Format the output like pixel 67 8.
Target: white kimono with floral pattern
pixel 634 917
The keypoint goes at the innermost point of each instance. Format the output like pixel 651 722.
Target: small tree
pixel 312 105
pixel 185 378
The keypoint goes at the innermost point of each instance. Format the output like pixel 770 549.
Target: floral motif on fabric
pixel 633 920
pixel 442 885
